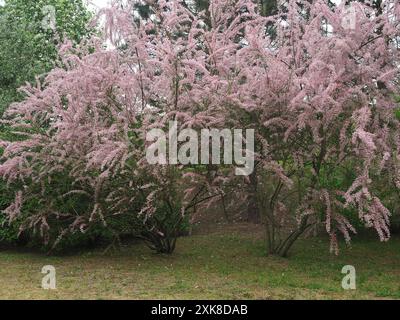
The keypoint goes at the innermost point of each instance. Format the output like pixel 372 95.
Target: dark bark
pixel 253 213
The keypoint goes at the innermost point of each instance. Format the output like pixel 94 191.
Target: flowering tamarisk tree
pixel 318 93
pixel 318 90
pixel 84 134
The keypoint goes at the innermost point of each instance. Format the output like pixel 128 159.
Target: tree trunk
pixel 253 213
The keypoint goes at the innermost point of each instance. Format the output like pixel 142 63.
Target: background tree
pixel 27 48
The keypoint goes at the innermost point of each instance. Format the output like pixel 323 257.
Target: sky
pixel 97 3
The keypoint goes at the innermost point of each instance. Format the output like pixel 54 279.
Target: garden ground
pixel 221 263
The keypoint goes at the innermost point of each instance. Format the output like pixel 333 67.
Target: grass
pixel 225 263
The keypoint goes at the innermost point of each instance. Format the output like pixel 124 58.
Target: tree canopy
pixel 319 93
pixel 27 47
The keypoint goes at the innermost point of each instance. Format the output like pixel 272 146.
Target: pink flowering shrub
pixel 318 95
pixel 81 158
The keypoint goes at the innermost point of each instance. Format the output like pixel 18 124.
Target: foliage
pixel 27 48
pixel 321 104
pixel 318 94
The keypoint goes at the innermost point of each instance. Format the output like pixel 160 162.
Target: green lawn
pixel 228 264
